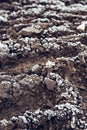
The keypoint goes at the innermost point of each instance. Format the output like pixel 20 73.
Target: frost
pixel 61 28
pixel 4 50
pixel 53 75
pixel 47 46
pixel 59 80
pixel 49 113
pixel 82 124
pixel 66 95
pixel 50 64
pixel 73 44
pixel 31 116
pixel 60 107
pixel 52 14
pixel 3 19
pixel 38 111
pixel 35 67
pixel 14 14
pixel 5 122
pixel 24 119
pixel 69 106
pixel 56 46
pixel 25 40
pixel 43 1
pixel 27 48
pixel 14 118
pixel 28 114
pixel 35 10
pixel 43 20
pixel 50 43
pixel 58 110
pixel 73 121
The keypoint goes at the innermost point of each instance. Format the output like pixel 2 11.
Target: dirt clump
pixel 43 65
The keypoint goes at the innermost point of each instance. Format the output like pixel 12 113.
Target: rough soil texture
pixel 43 65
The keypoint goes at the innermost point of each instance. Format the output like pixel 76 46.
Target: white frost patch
pixel 31 116
pixel 3 49
pixel 14 118
pixel 53 75
pixel 5 122
pixel 49 113
pixel 50 64
pixel 25 40
pixel 3 19
pixel 23 118
pixel 82 124
pixel 61 28
pixel 52 14
pixel 58 110
pixel 66 95
pixel 41 1
pixel 69 106
pixel 39 113
pixel 36 10
pixel 27 48
pixel 60 107
pixel 73 44
pixel 47 46
pixel 43 20
pixel 14 14
pixel 56 46
pixel 59 80
pixel 73 122
pixel 35 67
pixel 49 43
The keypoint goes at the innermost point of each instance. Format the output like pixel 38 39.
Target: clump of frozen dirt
pixel 43 65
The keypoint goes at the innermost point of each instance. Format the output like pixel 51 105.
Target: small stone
pixel 16 89
pixel 5 89
pixel 49 104
pixel 44 72
pixel 50 84
pixel 29 31
pixel 30 81
pixel 81 27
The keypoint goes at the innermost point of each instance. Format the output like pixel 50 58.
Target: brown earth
pixel 43 65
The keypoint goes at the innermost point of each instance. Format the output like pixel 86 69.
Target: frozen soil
pixel 43 65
